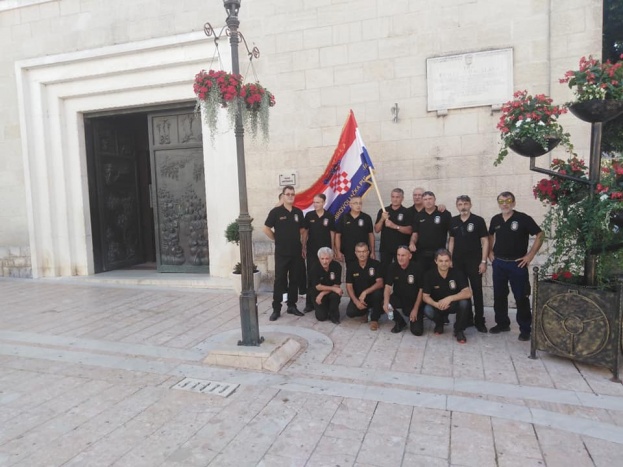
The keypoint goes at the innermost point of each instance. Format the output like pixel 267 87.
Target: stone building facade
pixel 67 63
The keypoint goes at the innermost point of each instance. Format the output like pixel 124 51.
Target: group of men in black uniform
pixel 431 264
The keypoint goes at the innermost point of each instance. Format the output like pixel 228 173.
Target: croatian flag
pixel 347 174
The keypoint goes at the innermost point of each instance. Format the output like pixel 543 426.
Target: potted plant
pixel 529 126
pixel 598 89
pixel 232 235
pixel 215 90
pixel 257 102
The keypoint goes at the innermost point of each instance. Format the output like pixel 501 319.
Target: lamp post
pixel 248 299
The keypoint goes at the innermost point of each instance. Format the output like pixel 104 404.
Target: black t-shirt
pixel 432 229
pixel 363 277
pixel 318 276
pixel 467 235
pixel 438 287
pixel 511 236
pixel 354 231
pixel 318 231
pixel 287 226
pixel 391 239
pixel 406 283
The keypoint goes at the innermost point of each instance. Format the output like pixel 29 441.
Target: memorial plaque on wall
pixel 470 79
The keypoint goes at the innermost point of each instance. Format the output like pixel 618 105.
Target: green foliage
pixel 238 268
pixel 232 233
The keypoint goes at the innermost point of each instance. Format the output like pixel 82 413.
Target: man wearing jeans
pixel 509 233
pixel 446 292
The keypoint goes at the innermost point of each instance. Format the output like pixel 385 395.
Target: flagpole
pixel 376 188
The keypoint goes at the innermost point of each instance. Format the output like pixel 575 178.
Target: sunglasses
pixel 505 201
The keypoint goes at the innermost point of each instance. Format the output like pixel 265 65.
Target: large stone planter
pixel 236 280
pixel 577 322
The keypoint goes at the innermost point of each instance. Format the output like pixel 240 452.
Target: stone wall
pixel 15 262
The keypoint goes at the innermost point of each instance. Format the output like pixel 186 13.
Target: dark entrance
pixel 147 191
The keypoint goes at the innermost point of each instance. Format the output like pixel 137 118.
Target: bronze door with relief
pixel 178 192
pixel 114 194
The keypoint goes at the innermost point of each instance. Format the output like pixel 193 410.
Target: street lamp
pixel 248 298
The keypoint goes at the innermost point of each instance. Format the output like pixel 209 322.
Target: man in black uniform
pixel 284 225
pixel 319 231
pixel 509 233
pixel 326 277
pixel 430 232
pixel 403 291
pixel 364 284
pixel 446 292
pixel 353 227
pixel 395 223
pixel 469 246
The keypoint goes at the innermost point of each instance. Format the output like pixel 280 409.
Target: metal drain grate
pixel 206 387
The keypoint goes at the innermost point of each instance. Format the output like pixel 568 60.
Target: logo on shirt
pixel 452 285
pixel 360 223
pixel 514 225
pixel 470 227
pixel 283 218
pixel 332 276
pixel 437 219
pixel 296 217
pixel 400 217
pixel 410 279
pixel 325 222
pixel 371 272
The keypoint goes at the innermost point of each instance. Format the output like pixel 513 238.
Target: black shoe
pixel 498 329
pixel 524 336
pixel 275 316
pixel 293 310
pixel 399 327
pixel 418 328
pixel 480 327
pixel 335 320
pixel 460 337
pixel 438 328
pixel 308 309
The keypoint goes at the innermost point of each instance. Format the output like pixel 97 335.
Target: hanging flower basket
pixel 215 90
pixel 529 147
pixel 596 110
pixel 257 101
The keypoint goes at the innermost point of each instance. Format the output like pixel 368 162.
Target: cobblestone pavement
pixel 87 370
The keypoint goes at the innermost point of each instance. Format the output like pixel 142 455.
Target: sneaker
pixel 438 329
pixel 275 315
pixel 498 329
pixel 460 337
pixel 480 327
pixel 364 318
pixel 399 327
pixel 374 326
pixel 293 310
pixel 524 336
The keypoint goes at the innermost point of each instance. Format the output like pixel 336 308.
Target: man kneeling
pixel 446 292
pixel 325 279
pixel 364 285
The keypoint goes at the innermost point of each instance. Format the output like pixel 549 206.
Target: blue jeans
pixel 505 272
pixel 462 308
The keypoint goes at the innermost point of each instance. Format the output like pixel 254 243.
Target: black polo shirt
pixel 438 287
pixel 318 231
pixel 511 236
pixel 432 229
pixel 318 276
pixel 287 226
pixel 363 277
pixel 354 231
pixel 467 235
pixel 391 239
pixel 406 283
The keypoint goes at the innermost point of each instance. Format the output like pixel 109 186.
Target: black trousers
pixel 403 309
pixel 460 307
pixel 328 307
pixel 287 276
pixel 375 303
pixel 469 267
pixel 311 262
